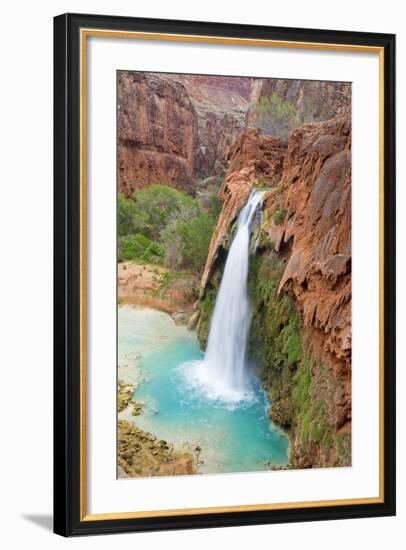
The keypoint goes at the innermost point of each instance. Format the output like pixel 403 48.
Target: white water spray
pixel 222 373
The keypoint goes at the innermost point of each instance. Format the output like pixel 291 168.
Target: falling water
pixel 222 373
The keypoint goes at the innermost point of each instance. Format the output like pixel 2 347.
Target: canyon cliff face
pixel 300 281
pixel 316 202
pixel 177 129
pixel 299 102
pixel 317 197
pixel 221 105
pixel 157 132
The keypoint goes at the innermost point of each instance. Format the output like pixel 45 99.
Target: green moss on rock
pixel 206 305
pixel 279 216
pixel 300 389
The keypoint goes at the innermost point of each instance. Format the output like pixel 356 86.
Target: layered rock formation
pixel 315 238
pixel 177 129
pixel 312 100
pixel 157 132
pixel 317 197
pixel 221 104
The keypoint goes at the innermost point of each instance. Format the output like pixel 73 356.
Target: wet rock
pixel 181 317
pixel 138 407
pixel 124 395
pixel 192 323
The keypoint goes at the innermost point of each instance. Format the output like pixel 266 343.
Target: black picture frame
pixel 67 352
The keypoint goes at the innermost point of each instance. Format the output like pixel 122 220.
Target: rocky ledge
pixel 157 287
pixel 141 454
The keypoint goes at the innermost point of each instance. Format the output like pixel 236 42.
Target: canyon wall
pixel 221 104
pixel 278 106
pixel 177 129
pixel 157 132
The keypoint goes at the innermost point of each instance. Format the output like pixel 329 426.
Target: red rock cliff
pixel 157 132
pixel 316 191
pixel 176 129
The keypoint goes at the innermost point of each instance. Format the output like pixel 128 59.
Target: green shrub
pixel 126 213
pixel 215 207
pixel 138 248
pixel 275 116
pixel 261 182
pixel 195 236
pixel 186 243
pixel 264 241
pixel 206 307
pixel 279 216
pixel 159 224
pixel 150 209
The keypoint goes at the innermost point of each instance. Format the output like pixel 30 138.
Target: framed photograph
pixel 224 274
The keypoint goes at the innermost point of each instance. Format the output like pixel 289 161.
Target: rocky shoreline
pixel 141 454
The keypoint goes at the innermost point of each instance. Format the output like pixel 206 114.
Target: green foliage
pixel 279 216
pixel 206 305
pixel 172 227
pixel 166 279
pixel 302 382
pixel 291 342
pixel 195 237
pixel 150 209
pixel 126 212
pixel 275 334
pixel 215 207
pixel 186 243
pixel 264 241
pixel 275 116
pixel 138 248
pixel 261 182
pixel 299 388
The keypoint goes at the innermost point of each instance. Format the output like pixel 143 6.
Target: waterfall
pixel 222 373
